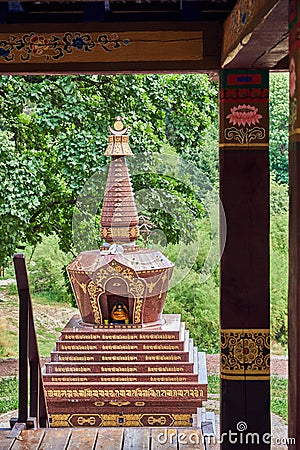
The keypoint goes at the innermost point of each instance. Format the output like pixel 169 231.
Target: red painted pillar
pixel 245 302
pixel 294 225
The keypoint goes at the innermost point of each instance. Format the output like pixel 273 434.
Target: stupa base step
pixel 125 378
pixel 123 420
pixel 123 407
pixel 82 369
pixel 171 329
pixel 120 378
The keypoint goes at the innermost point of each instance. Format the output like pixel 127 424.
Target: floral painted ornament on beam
pixel 38 45
pixel 244 116
pixel 56 47
pixel 73 47
pixel 5 54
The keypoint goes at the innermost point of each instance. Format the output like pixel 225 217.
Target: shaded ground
pixel 9 367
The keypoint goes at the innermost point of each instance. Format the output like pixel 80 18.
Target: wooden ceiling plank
pixel 245 28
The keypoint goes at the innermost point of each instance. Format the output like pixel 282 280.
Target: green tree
pixel 207 155
pixel 279 119
pixel 279 262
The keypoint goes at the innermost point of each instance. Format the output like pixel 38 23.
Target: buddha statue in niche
pixel 119 313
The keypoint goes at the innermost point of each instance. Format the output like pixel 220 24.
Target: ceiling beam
pixel 255 34
pixel 110 48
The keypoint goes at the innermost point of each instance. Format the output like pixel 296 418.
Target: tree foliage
pixel 54 132
pixel 279 261
pixel 279 120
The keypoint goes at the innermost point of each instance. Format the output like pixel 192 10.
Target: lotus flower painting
pixel 246 117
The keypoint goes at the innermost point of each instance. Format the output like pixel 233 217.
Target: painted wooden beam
pixel 244 287
pixel 255 34
pixel 67 47
pixel 109 47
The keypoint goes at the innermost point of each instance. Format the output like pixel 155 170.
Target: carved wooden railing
pixel 28 353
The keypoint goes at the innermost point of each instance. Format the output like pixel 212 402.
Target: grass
pixel 10 289
pixel 41 298
pixel 279 397
pixel 46 340
pixel 9 341
pixel 49 298
pixel 279 393
pixel 8 394
pixel 213 384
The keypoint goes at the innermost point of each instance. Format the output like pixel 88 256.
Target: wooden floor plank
pixel 190 438
pixel 5 443
pixel 136 438
pixel 83 439
pixel 109 439
pixel 104 439
pixel 29 439
pixel 164 439
pixel 56 439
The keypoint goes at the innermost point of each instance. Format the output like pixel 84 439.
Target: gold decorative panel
pixel 245 354
pixel 120 420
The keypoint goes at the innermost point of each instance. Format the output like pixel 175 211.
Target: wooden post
pixel 294 225
pixel 28 352
pixel 23 339
pixel 245 310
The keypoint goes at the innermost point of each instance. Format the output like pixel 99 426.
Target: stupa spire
pixel 119 219
pixel 118 140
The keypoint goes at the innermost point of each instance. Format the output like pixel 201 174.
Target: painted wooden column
pixel 294 225
pixel 245 303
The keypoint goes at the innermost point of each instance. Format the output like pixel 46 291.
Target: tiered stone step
pixel 125 376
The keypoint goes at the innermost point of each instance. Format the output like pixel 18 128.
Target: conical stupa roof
pixel 119 219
